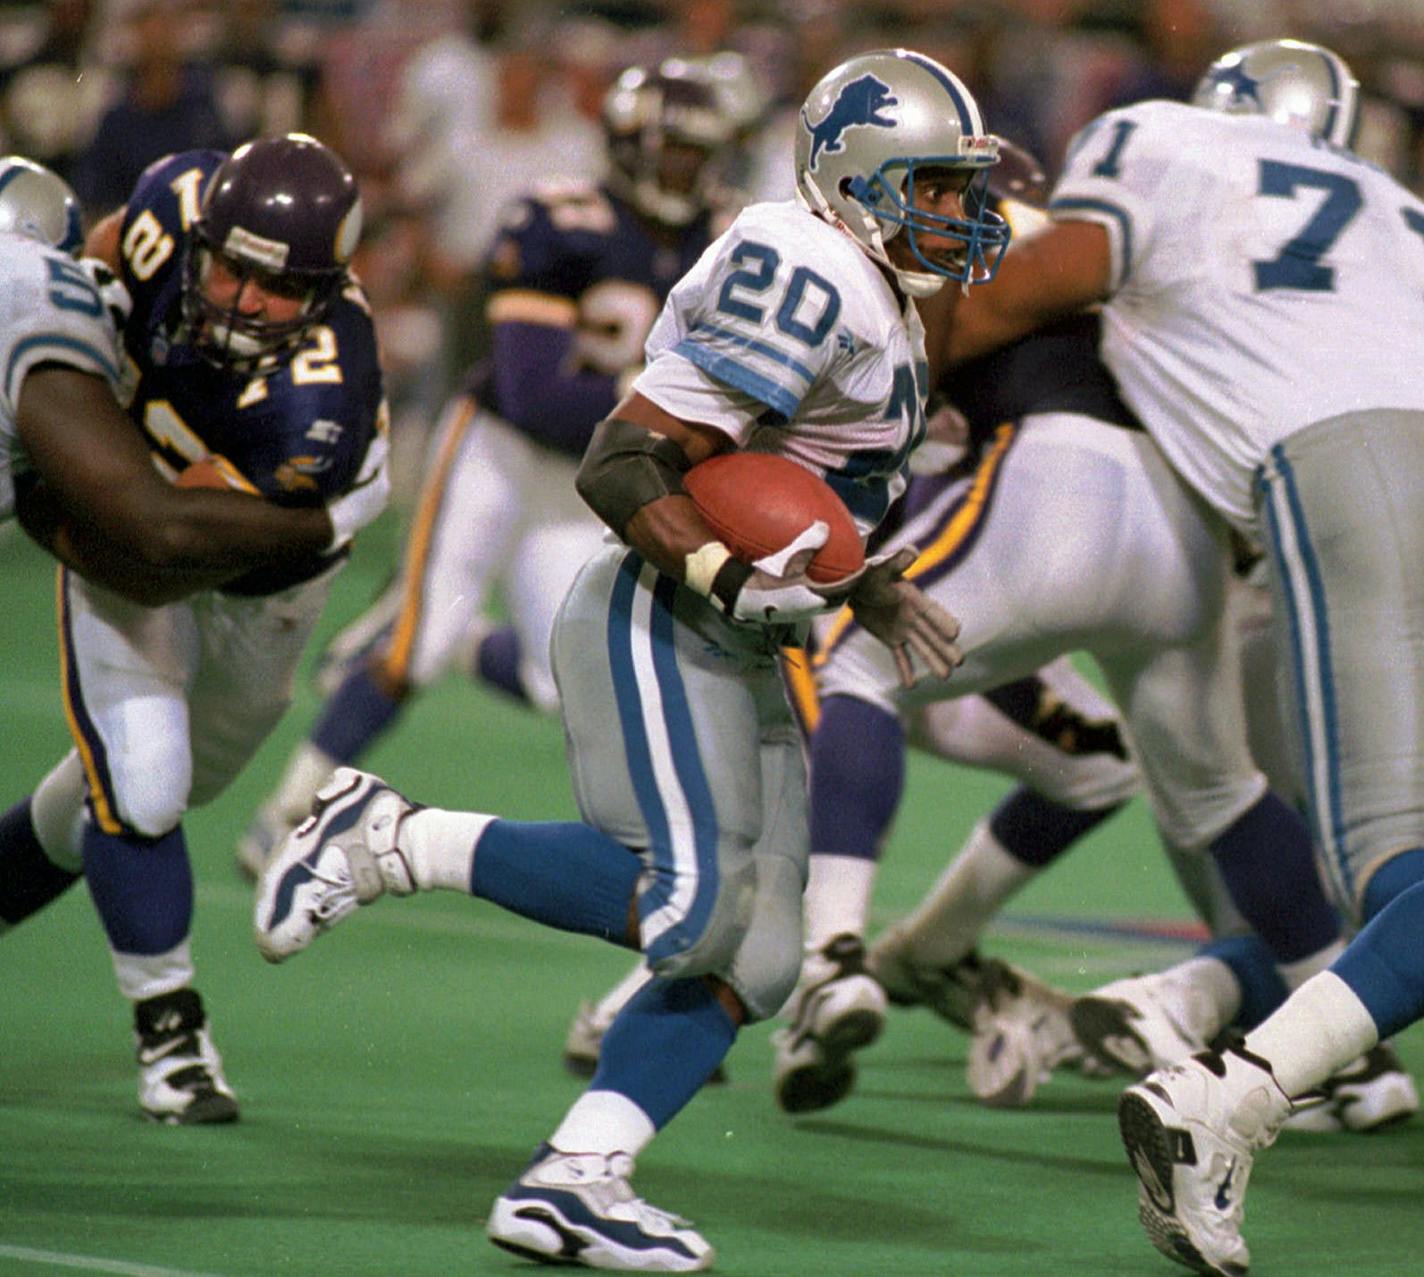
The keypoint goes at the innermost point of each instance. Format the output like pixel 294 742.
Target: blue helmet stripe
pixel 73 239
pixel 1328 128
pixel 966 117
pixel 10 174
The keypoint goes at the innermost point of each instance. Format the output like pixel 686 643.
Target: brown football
pixel 758 503
pixel 204 474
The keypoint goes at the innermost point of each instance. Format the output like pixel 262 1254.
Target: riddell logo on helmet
pixel 858 105
pixel 270 254
pixel 979 146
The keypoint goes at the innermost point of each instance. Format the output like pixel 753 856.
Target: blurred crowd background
pixel 446 110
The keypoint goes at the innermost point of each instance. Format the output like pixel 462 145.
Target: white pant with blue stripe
pixel 683 747
pixel 1341 506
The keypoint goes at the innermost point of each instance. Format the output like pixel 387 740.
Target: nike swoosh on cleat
pixel 1223 1191
pixel 1146 1173
pixel 572 1245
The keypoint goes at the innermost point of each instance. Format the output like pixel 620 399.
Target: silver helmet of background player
pixel 657 123
pixel 864 133
pixel 285 213
pixel 37 202
pixel 1296 83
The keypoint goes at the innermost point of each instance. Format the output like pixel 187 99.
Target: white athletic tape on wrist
pixel 700 568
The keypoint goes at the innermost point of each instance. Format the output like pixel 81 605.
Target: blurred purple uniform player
pixel 577 274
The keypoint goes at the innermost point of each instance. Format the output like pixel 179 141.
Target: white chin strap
pixel 666 207
pixel 243 345
pixel 913 283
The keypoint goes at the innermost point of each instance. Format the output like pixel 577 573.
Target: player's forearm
pixel 204 532
pixel 667 532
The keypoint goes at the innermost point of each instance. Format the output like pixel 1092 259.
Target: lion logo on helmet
pixel 858 105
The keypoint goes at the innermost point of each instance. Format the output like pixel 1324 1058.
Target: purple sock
pixel 142 888
pixel 497 662
pixel 1036 831
pixel 1269 870
pixel 857 775
pixel 358 711
pixel 29 879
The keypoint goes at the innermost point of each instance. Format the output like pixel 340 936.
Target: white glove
pixel 364 500
pixel 774 590
pixel 778 590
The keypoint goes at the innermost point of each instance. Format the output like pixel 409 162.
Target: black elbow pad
pixel 626 467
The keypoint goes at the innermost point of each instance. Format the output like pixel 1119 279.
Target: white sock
pixel 837 898
pixel 947 923
pixel 604 1122
pixel 1210 994
pixel 1297 973
pixel 143 976
pixel 308 769
pixel 621 994
pixel 1320 1028
pixel 440 847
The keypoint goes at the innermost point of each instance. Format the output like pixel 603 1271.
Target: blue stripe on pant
pixel 643 658
pixel 1313 677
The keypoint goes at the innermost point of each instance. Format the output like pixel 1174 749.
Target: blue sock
pixel 1269 869
pixel 1384 964
pixel 142 888
pixel 663 1046
pixel 497 662
pixel 1391 879
pixel 29 879
pixel 563 874
pixel 1035 830
pixel 857 775
pixel 358 711
pixel 1262 989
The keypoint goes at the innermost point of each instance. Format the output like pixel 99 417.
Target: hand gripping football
pixel 757 504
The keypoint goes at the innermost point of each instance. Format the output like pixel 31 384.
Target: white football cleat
pixel 1142 1023
pixel 1021 1035
pixel 954 991
pixel 1368 1094
pixel 835 1011
pixel 1191 1132
pixel 343 855
pixel 579 1208
pixel 180 1074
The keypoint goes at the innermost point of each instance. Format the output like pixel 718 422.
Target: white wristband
pixel 700 568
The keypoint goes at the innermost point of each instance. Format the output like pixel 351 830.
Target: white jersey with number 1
pixel 50 313
pixel 1262 280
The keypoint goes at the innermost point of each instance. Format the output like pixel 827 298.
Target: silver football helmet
pixel 37 202
pixel 1296 83
pixel 866 129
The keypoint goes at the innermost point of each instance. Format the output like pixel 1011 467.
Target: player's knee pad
pixel 1191 820
pixel 764 971
pixel 709 933
pixel 57 811
pixel 150 798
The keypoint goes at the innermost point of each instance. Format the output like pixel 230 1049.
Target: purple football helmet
pixel 283 212
pixel 646 110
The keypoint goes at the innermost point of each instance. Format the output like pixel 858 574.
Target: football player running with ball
pixel 796 334
pixel 1233 242
pixel 257 363
pixel 577 274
